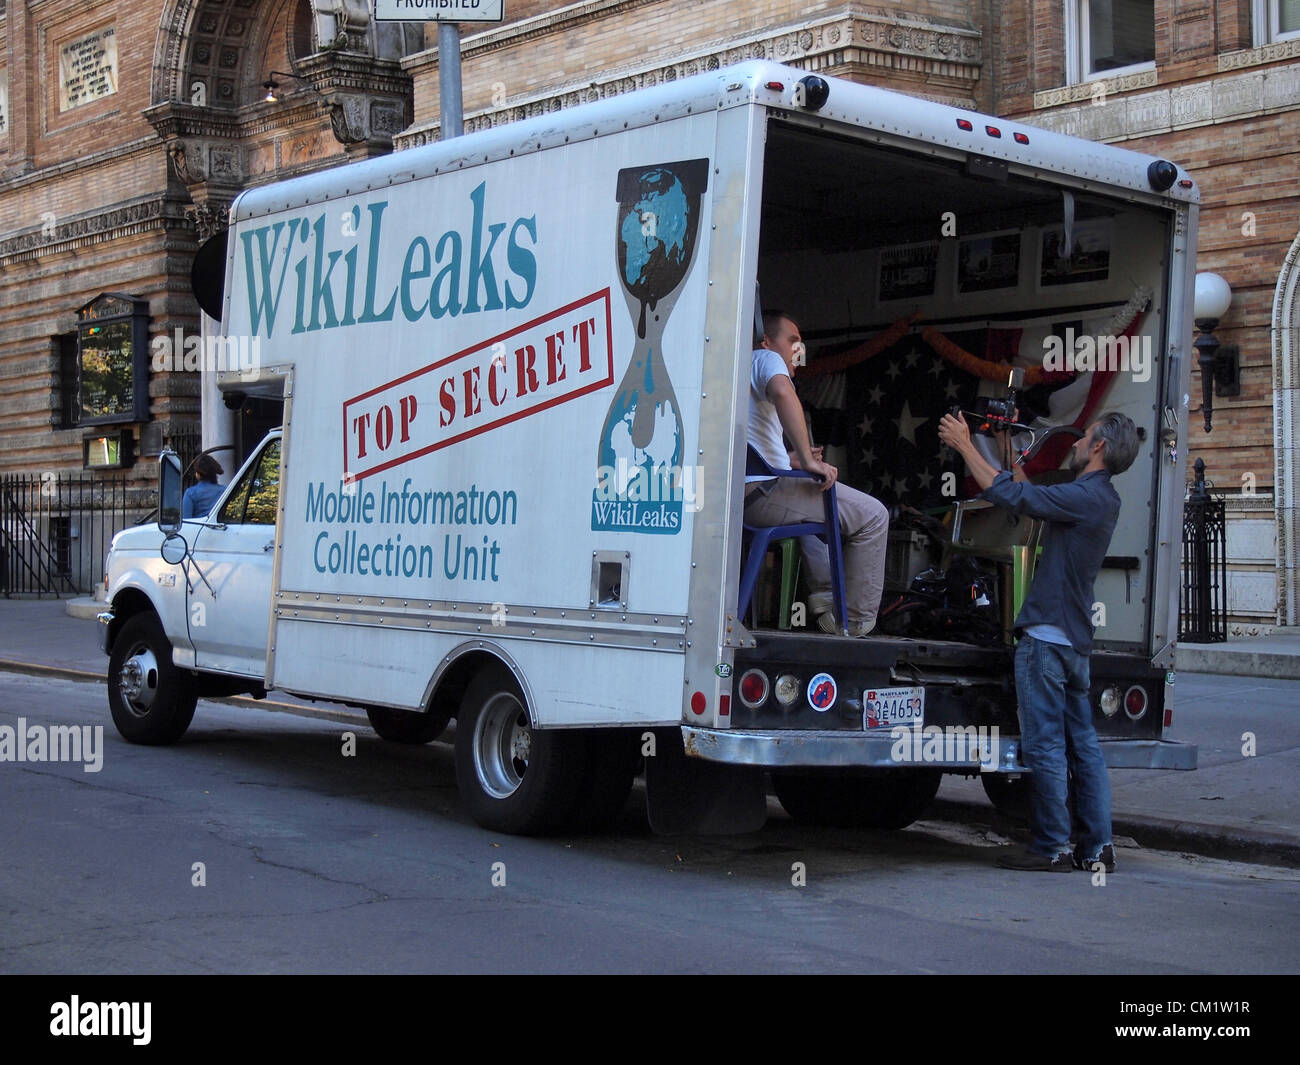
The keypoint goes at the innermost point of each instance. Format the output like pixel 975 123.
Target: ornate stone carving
pixel 208 218
pixel 347 121
pixel 181 164
pixel 1250 57
pixel 88 229
pixel 1068 94
pixel 834 43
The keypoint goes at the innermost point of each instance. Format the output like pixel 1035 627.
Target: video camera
pixel 992 414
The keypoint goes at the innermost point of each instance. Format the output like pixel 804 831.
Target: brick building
pixel 116 158
pixel 125 131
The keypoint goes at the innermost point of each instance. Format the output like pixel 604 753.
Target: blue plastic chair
pixel 762 537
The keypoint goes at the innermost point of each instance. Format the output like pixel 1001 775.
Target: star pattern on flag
pixel 895 400
pixel 908 423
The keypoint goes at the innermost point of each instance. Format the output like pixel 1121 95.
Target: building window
pixel 68 407
pixel 1274 20
pixel 1108 37
pixel 301 31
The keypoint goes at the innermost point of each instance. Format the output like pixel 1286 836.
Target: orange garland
pixel 990 371
pixel 827 364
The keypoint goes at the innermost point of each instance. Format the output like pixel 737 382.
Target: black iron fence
pixel 55 529
pixel 1203 605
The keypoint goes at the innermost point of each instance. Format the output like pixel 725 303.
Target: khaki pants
pixel 864 534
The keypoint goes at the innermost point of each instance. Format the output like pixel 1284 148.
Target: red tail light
pixel 1135 702
pixel 753 688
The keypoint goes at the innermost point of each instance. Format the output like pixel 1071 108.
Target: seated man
pixel 864 521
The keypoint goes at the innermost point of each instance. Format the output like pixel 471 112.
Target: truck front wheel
pixel 865 798
pixel 152 701
pixel 514 778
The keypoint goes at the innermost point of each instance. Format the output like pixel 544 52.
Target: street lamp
pixel 1218 368
pixel 270 85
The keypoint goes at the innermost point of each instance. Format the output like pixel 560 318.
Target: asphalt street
pixel 258 845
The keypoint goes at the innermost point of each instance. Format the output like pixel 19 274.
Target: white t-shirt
pixel 764 431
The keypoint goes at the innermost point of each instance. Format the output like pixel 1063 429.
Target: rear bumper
pixel 972 751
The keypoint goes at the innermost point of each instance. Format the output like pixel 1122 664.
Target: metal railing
pixel 1203 605
pixel 55 529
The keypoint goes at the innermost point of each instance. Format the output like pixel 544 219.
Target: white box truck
pixel 507 490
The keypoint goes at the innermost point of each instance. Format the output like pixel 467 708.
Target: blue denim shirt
pixel 198 499
pixel 1079 519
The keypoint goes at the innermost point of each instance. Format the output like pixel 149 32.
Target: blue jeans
pixel 1056 735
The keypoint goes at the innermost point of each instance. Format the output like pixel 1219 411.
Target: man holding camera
pixel 1055 630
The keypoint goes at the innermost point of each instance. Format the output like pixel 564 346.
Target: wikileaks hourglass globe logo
pixel 639 482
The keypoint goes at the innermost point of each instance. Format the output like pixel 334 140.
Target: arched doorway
pixel 1286 423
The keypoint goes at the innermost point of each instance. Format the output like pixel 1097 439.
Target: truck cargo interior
pixel 919 283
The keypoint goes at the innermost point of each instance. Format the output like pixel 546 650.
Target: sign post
pixel 447 13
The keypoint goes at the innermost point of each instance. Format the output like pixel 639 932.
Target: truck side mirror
pixel 174 549
pixel 169 493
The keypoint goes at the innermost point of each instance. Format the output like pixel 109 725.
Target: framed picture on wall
pixel 988 262
pixel 908 271
pixel 1087 258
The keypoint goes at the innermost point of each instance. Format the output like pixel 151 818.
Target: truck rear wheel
pixel 1010 798
pixel 152 701
pixel 514 778
pixel 613 758
pixel 866 798
pixel 1009 795
pixel 403 726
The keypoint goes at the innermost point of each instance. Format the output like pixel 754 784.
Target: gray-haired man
pixel 1055 629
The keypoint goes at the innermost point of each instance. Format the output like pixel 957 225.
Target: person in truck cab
pixel 864 521
pixel 199 497
pixel 1055 630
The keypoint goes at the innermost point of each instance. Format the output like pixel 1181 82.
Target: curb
pixel 1270 665
pixel 83 607
pixel 1229 842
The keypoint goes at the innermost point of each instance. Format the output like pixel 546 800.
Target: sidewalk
pixel 1231 806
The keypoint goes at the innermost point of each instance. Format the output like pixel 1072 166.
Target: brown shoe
pixel 1033 862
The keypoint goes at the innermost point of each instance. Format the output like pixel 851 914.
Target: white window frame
pixel 1265 18
pixel 1077 48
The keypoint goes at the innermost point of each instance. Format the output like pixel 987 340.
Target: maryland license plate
pixel 887 707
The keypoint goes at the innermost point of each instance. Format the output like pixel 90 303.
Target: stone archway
pixel 1286 424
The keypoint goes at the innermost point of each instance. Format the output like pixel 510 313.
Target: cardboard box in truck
pixel 507 490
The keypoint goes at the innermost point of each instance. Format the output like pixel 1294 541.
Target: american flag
pixel 889 421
